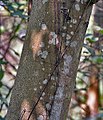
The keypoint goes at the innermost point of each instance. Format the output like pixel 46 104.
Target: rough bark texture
pixel 49 61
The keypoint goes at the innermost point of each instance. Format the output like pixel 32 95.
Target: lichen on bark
pixel 48 80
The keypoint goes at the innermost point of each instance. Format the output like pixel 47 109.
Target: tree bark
pixel 49 62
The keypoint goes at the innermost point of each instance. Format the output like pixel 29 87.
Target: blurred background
pixel 87 99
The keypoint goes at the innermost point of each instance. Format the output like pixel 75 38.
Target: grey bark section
pixel 33 74
pixel 98 13
pixel 98 18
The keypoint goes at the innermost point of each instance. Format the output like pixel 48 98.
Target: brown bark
pixel 92 92
pixel 49 61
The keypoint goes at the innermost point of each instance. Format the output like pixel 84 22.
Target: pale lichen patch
pixel 72 33
pixel 77 7
pixel 43 54
pixel 43 94
pixel 74 21
pixel 58 103
pixel 43 69
pixel 49 75
pixel 45 81
pixel 63 34
pixel 43 26
pixel 41 98
pixel 52 78
pixel 68 37
pixel 59 92
pixel 53 38
pixel 67 61
pixel 41 62
pixel 67 43
pixel 64 27
pixel 35 89
pixel 73 44
pixel 48 106
pixel 71 26
pixel 84 1
pixel 41 87
pixel 40 117
pixel 42 44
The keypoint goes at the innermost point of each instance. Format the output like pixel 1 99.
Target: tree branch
pixel 92 2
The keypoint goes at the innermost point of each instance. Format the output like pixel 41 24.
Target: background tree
pixel 88 92
pixel 13 19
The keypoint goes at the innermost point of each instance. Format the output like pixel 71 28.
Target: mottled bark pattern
pixel 49 60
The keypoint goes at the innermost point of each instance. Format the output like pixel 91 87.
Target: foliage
pixel 91 55
pixel 15 8
pixel 1 70
pixel 13 28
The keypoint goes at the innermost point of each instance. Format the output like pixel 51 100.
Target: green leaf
pixel 20 4
pixel 2 29
pixel 1 73
pixel 97 59
pixel 17 27
pixel 0 86
pixel 90 40
pixel 10 8
pixel 2 62
pixel 90 49
pixel 101 32
pixel 15 5
pixel 83 98
pixel 19 13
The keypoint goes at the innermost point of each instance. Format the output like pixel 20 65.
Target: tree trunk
pixel 49 62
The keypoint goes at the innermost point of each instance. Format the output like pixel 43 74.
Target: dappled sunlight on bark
pixel 25 110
